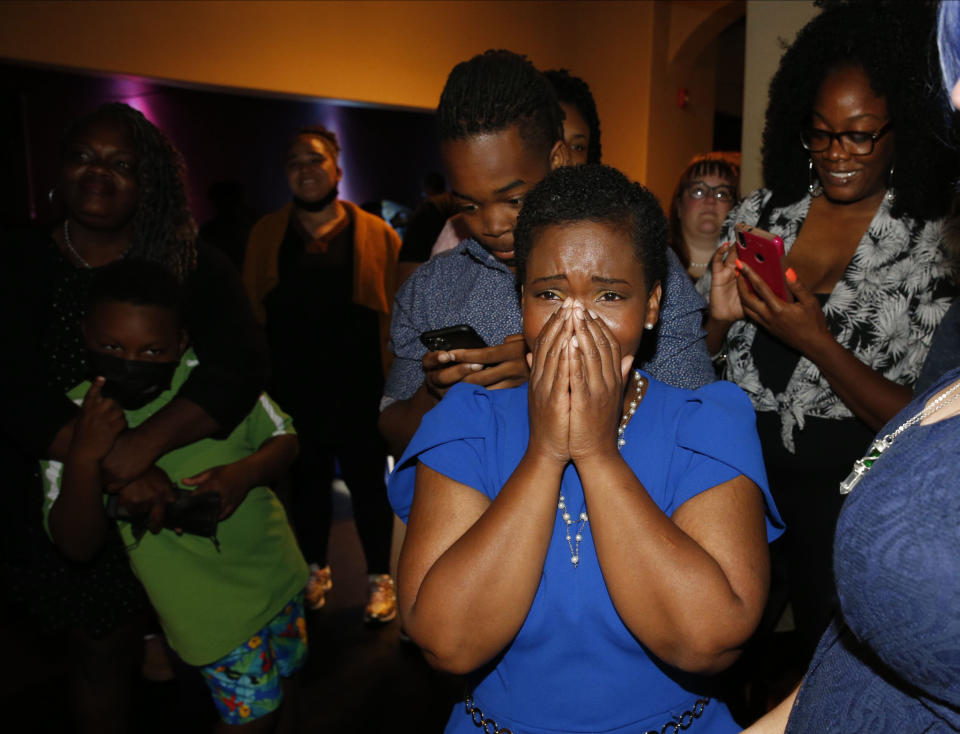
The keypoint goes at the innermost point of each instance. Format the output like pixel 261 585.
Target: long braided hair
pixel 164 231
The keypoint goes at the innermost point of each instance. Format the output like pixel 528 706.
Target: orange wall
pixel 396 53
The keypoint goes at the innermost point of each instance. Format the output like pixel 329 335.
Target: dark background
pixel 223 135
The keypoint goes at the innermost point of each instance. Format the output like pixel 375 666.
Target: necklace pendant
pixel 854 477
pixel 861 466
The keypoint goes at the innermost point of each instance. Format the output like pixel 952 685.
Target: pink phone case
pixel 763 252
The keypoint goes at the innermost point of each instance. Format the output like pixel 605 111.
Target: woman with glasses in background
pixel 705 193
pixel 857 183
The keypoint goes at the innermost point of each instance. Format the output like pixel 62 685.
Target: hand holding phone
pixel 461 336
pixel 494 367
pixel 764 253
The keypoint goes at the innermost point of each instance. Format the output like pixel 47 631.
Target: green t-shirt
pixel 211 601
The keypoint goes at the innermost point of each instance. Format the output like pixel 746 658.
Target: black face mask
pixel 320 204
pixel 131 383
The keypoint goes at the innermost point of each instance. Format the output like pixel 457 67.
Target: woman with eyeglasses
pixel 890 660
pixel 857 183
pixel 707 190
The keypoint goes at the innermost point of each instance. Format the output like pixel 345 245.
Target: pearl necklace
pixel 574 542
pixel 862 466
pixel 66 240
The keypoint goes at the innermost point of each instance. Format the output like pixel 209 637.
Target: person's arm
pixel 681 358
pixel 77 520
pixel 418 379
pixel 221 389
pixel 665 574
pixel 494 367
pixel 269 429
pixel 775 720
pixel 470 567
pixel 801 324
pixel 234 481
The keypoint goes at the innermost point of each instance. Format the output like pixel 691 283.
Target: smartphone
pixel 764 253
pixel 460 336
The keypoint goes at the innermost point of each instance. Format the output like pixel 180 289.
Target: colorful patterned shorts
pixel 245 683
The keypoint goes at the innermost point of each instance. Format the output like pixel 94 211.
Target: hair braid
pixel 495 90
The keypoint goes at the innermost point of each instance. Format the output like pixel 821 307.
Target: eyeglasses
pixel 854 142
pixel 722 193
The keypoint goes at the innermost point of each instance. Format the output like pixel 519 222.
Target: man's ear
pixel 559 155
pixel 339 174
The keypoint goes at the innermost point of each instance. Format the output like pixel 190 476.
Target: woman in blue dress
pixel 589 547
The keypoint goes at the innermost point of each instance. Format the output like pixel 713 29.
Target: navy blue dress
pixel 574 666
pixel 890 661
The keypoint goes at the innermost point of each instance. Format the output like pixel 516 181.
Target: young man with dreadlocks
pixel 501 133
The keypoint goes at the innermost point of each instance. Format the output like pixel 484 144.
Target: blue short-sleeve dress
pixel 574 666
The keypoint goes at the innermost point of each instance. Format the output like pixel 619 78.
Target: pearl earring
pixel 648 326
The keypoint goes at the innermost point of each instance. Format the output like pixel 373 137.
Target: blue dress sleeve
pixel 453 440
pixel 716 440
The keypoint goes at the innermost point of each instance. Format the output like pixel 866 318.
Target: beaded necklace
pixel 573 542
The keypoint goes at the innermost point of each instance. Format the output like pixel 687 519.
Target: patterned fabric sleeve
pixel 681 358
pixel 406 372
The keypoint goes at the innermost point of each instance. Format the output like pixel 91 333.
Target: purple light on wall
pixel 135 93
pixel 333 117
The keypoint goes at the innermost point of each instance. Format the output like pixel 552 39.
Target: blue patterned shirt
pixel 467 285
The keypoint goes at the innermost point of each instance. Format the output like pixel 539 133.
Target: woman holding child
pixel 567 538
pixel 121 186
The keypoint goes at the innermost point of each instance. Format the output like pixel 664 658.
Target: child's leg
pixel 248 683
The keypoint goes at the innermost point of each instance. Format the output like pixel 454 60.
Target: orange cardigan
pixel 375 249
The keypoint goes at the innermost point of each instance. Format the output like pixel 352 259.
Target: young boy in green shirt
pixel 230 605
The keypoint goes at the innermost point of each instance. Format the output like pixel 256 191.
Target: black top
pixel 325 349
pixel 425 225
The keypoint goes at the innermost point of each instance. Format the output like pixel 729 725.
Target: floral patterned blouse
pixel 884 309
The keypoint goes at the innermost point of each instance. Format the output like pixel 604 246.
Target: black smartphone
pixel 460 336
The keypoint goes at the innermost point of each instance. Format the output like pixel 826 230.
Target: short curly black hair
pixel 495 90
pixel 893 43
pixel 164 231
pixel 594 193
pixel 573 90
